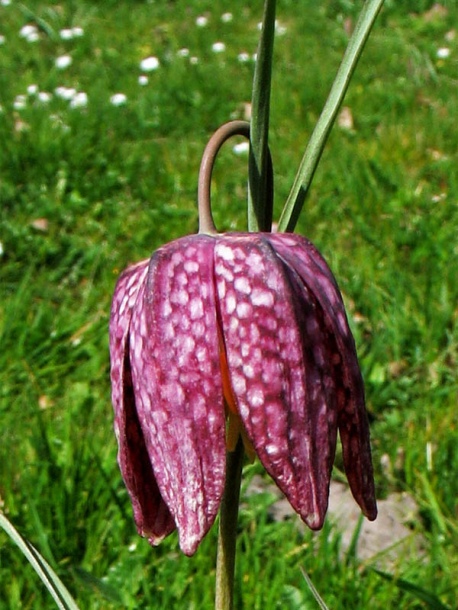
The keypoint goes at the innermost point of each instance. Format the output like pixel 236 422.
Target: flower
pixel 118 99
pixel 79 100
pixel 29 32
pixel 63 61
pixel 244 331
pixel 218 47
pixel 149 64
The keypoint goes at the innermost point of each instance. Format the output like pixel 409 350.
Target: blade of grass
pixel 296 198
pixel 315 593
pixel 431 600
pixel 49 578
pixel 259 197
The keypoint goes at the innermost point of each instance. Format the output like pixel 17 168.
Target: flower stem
pixel 227 531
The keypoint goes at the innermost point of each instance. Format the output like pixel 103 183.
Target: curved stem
pixel 227 531
pixel 226 131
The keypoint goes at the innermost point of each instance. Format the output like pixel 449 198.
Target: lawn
pixel 99 157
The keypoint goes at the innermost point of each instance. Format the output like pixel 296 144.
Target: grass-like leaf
pixel 260 200
pixel 431 600
pixel 312 155
pixel 49 578
pixel 312 588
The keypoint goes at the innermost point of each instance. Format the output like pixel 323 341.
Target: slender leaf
pixel 311 586
pixel 431 600
pixel 260 197
pixel 295 201
pixel 49 578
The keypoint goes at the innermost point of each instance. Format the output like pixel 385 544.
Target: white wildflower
pixel 29 32
pixel 65 93
pixel 184 52
pixel 118 99
pixel 280 29
pixel 243 57
pixel 44 97
pixel 149 64
pixel 143 80
pixel 226 17
pixel 79 100
pixel 32 89
pixel 443 53
pixel 201 21
pixel 20 102
pixel 63 61
pixel 66 34
pixel 218 47
pixel 241 148
pixel 2 39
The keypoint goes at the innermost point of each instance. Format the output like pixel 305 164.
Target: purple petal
pixel 151 515
pixel 353 424
pixel 176 372
pixel 279 375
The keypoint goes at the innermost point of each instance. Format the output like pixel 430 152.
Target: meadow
pixel 105 108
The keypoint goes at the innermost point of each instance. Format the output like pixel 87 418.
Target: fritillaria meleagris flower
pixel 248 329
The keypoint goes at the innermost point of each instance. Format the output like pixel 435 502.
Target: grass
pixel 86 190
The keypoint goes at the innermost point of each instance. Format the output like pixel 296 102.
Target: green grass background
pixel 112 183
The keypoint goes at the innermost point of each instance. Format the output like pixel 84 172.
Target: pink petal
pixel 300 254
pixel 278 374
pixel 177 379
pixel 151 515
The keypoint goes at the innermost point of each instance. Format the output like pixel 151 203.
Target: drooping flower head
pixel 220 335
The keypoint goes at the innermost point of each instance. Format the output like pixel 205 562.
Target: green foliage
pixel 85 190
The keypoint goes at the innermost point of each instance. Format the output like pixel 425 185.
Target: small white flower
pixel 79 100
pixel 218 47
pixel 44 97
pixel 193 60
pixel 77 32
pixel 280 29
pixel 20 102
pixel 63 61
pixel 226 17
pixel 2 250
pixel 149 64
pixel 241 148
pixel 32 89
pixel 143 80
pixel 66 34
pixel 201 21
pixel 65 93
pixel 243 57
pixel 2 39
pixel 183 52
pixel 29 32
pixel 443 53
pixel 5 2
pixel 33 37
pixel 118 99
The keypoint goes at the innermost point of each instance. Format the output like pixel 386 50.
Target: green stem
pixel 259 195
pixel 323 127
pixel 227 531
